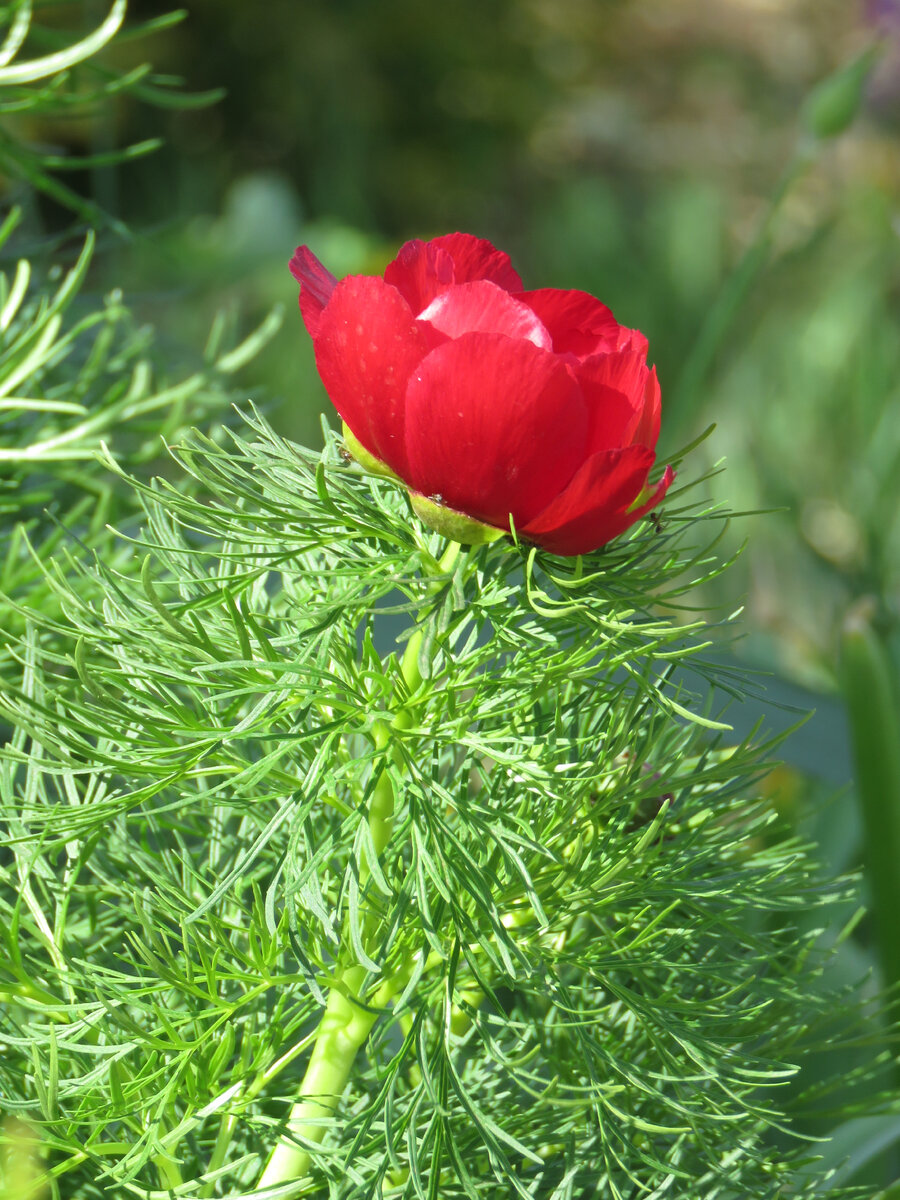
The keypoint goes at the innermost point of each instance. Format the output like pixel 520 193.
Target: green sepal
pixel 452 524
pixel 367 460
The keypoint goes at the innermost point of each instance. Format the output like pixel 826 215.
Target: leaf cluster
pixel 77 371
pixel 76 375
pixel 586 972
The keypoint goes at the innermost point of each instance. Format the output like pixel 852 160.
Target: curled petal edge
pixel 572 524
pixel 316 285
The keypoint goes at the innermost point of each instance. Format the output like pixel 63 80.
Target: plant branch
pixel 348 1020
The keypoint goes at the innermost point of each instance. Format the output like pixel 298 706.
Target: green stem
pixel 223 1141
pixel 169 1172
pixel 873 708
pixel 347 1021
pixel 344 1027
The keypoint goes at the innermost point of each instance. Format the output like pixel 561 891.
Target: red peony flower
pixel 486 399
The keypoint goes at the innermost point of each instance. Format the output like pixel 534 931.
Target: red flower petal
pixel 624 370
pixel 421 271
pixel 646 431
pixel 482 307
pixel 578 323
pixel 613 386
pixel 632 339
pixel 367 347
pixel 493 427
pixel 316 285
pixel 593 509
pixel 475 258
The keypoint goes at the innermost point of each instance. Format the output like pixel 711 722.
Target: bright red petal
pixel 493 427
pixel 316 285
pixel 578 323
pixel 593 509
pixel 482 307
pixel 421 271
pixel 632 339
pixel 475 258
pixel 613 386
pixel 624 370
pixel 646 431
pixel 367 347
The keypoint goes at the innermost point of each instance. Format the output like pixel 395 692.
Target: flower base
pixel 452 524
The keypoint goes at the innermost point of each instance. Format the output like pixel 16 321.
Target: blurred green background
pixel 657 153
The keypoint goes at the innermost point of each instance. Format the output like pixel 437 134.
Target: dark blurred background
pixel 657 153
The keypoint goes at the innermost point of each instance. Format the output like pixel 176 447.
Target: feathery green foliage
pixel 272 751
pixel 76 376
pixel 79 372
pixel 70 380
pixel 576 944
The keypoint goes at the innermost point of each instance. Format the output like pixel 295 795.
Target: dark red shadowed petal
pixel 593 509
pixel 493 427
pixel 613 386
pixel 475 258
pixel 482 307
pixel 578 323
pixel 421 271
pixel 646 431
pixel 368 345
pixel 316 285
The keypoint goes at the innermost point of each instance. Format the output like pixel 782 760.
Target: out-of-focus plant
pixel 869 685
pixel 78 372
pixel 830 109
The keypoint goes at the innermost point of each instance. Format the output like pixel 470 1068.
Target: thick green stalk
pixel 169 1172
pixel 344 1027
pixel 874 712
pixel 347 1021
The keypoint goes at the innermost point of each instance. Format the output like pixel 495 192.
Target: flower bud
pixel 833 105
